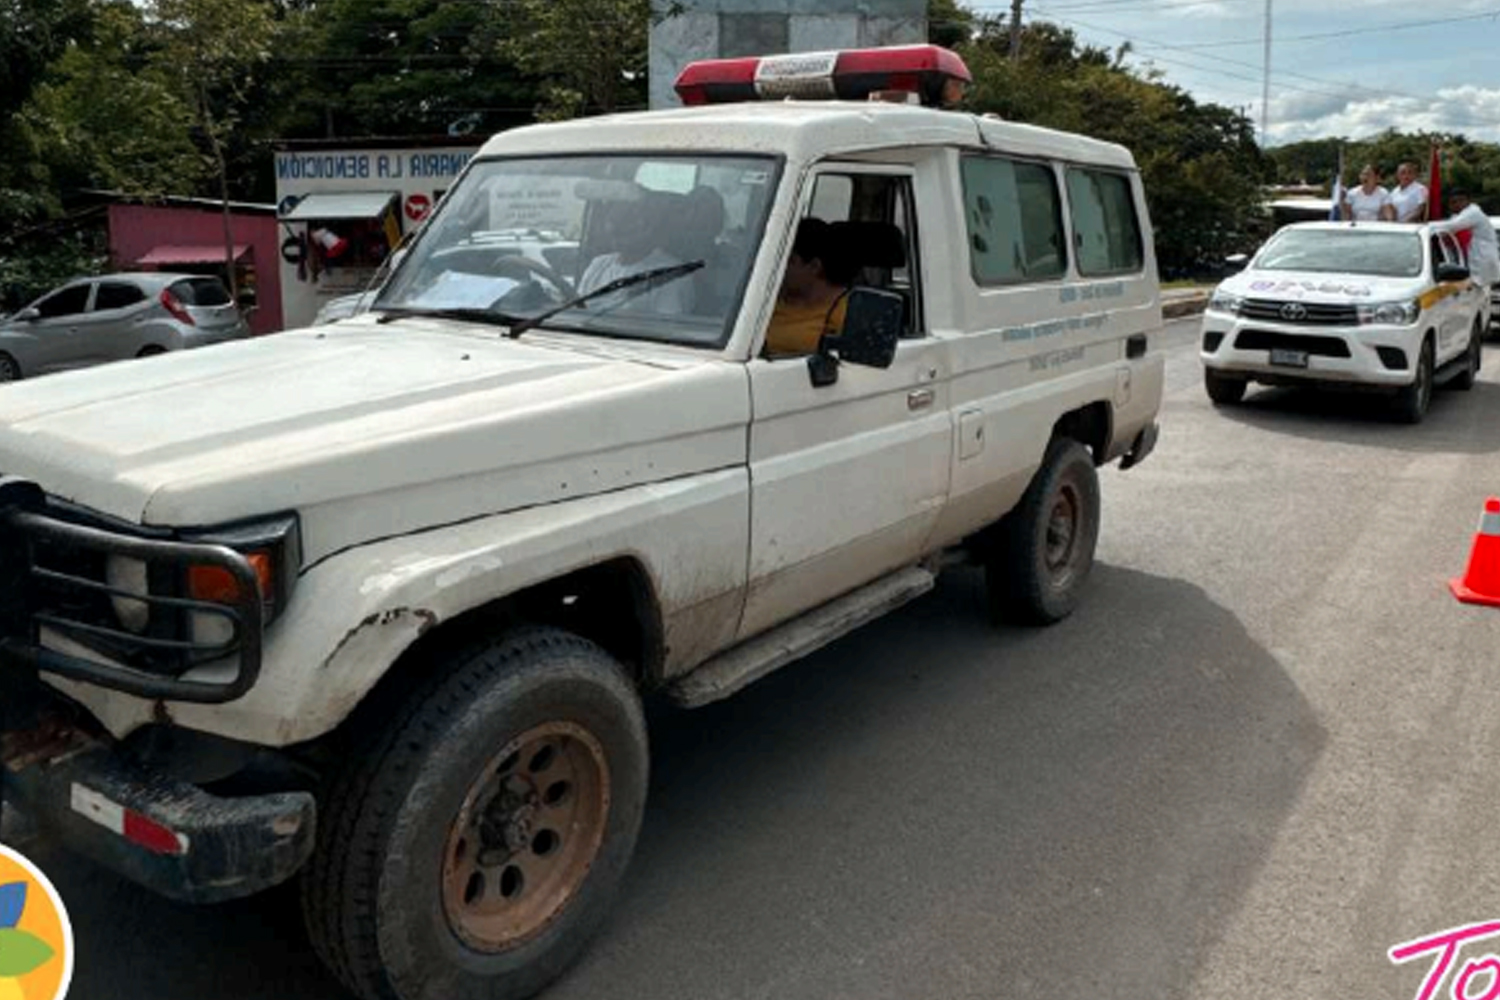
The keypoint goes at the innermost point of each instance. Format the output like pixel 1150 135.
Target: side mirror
pixel 28 315
pixel 1236 261
pixel 873 321
pixel 1451 272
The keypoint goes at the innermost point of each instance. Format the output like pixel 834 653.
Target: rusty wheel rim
pixel 526 836
pixel 1062 529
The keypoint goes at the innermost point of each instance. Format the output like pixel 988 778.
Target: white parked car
pixel 417 568
pixel 1386 306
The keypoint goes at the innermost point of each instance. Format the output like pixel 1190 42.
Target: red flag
pixel 1435 186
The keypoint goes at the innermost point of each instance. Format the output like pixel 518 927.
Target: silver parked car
pixel 90 321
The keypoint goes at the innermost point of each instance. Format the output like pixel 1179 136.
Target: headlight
pixel 1225 303
pixel 129 575
pixel 1390 313
pixel 274 551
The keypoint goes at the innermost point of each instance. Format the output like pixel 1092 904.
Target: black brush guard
pixel 35 598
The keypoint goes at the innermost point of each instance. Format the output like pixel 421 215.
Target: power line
pixel 1347 32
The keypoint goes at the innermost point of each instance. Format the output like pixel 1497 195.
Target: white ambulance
pixel 414 570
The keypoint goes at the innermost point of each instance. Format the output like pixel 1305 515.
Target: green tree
pixel 211 49
pixel 591 54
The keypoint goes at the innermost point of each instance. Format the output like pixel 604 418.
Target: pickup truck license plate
pixel 1289 359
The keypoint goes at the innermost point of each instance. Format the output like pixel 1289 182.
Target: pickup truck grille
pixel 56 591
pixel 1270 340
pixel 1299 313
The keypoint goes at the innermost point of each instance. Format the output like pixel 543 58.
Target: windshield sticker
pixel 756 178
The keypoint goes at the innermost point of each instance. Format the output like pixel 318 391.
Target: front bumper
pixel 91 796
pixel 1382 356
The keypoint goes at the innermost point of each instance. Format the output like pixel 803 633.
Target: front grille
pixel 1300 313
pixel 1269 340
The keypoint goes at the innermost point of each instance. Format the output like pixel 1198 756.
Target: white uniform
pixel 1484 250
pixel 1366 207
pixel 673 297
pixel 1408 201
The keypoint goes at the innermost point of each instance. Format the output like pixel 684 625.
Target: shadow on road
pixel 934 808
pixel 1366 419
pixel 930 808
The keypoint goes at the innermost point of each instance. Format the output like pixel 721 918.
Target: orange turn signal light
pixel 217 585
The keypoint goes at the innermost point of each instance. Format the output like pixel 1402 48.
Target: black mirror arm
pixel 823 366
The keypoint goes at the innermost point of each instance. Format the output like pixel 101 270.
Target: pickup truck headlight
pixel 1389 313
pixel 1225 303
pixel 272 547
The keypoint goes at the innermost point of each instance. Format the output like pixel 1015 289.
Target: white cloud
pixel 1470 109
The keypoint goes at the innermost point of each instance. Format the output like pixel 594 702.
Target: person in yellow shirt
pixel 813 296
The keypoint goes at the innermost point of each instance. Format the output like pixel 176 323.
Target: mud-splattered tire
pixel 1045 547
pixel 522 770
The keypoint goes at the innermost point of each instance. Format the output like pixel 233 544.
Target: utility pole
pixel 1015 29
pixel 1265 92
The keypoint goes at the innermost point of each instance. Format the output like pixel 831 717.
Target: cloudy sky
pixel 1346 67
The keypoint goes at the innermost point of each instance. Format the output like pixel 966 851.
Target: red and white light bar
pixel 929 71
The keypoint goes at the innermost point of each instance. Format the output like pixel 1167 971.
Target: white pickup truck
pixel 374 604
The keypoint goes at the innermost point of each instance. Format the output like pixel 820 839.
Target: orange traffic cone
pixel 1481 582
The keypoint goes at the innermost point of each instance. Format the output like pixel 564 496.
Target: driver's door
pixel 57 329
pixel 847 480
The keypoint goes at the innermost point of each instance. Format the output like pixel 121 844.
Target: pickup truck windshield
pixel 516 238
pixel 1344 251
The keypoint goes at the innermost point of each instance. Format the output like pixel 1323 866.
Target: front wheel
pixel 1223 390
pixel 1045 547
pixel 1474 358
pixel 10 371
pixel 474 849
pixel 1412 401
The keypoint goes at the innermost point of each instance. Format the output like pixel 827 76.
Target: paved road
pixel 1258 757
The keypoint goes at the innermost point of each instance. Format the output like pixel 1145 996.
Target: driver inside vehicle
pixel 639 228
pixel 814 292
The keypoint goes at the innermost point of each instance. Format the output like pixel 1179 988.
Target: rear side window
pixel 200 292
pixel 1106 231
pixel 68 302
pixel 116 295
pixel 1014 218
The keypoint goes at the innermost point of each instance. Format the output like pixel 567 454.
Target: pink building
pixel 187 235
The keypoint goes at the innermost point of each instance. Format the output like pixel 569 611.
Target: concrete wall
pixel 714 29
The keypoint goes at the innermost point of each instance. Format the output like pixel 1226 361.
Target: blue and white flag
pixel 1338 189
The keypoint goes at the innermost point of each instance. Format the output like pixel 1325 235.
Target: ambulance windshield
pixel 520 236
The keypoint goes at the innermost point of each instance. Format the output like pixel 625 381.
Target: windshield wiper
pixel 469 313
pixel 642 280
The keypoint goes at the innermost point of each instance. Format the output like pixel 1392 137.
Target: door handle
pixel 919 399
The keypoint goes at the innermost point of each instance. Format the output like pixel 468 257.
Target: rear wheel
pixel 10 371
pixel 1045 547
pixel 150 350
pixel 472 849
pixel 1474 358
pixel 1412 401
pixel 1222 389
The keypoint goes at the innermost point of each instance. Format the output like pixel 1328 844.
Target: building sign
pixel 342 211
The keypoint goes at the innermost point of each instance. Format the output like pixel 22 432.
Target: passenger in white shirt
pixel 1484 249
pixel 640 231
pixel 1409 200
pixel 1368 202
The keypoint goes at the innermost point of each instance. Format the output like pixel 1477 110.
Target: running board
pixel 753 659
pixel 1451 370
